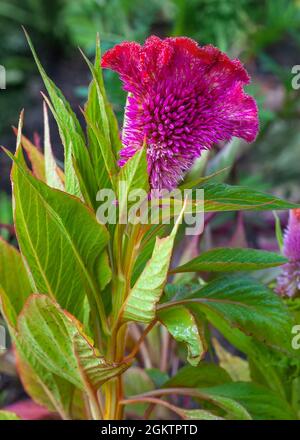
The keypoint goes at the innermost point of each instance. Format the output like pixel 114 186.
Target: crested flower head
pixel 288 283
pixel 182 99
pixel 291 246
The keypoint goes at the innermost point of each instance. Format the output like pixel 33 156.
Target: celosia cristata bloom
pixel 289 280
pixel 182 99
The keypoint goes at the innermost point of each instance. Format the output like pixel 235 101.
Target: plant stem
pixel 170 391
pixel 114 387
pixel 96 412
pixel 154 401
pixel 141 340
pixel 164 350
pixel 111 400
pixel 142 348
pixel 125 250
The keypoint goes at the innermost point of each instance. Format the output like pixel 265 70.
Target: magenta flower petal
pixel 182 99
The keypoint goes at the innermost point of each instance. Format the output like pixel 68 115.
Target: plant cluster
pixel 104 323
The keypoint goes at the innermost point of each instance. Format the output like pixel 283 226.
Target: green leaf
pixel 247 304
pixel 133 176
pixel 60 239
pixel 158 377
pixel 137 381
pixel 102 156
pixel 237 367
pixel 99 105
pixel 36 158
pixel 49 333
pixel 79 173
pixel 221 197
pixel 204 375
pixel 278 230
pixel 43 386
pixel 58 344
pixel 94 369
pixel 229 260
pixel 6 215
pixel 257 352
pixel 234 410
pixel 8 415
pixel 15 287
pixel 260 402
pixel 54 175
pixel 100 131
pixel 102 270
pixel 72 138
pixel 205 179
pixel 180 290
pixel 184 327
pixel 144 256
pixel 199 414
pixel 140 304
pixel 102 110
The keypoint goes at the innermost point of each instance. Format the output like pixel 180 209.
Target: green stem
pixel 154 401
pixel 111 402
pixel 96 412
pixel 114 387
pixel 126 246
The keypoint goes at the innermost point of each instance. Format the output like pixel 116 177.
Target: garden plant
pixel 113 310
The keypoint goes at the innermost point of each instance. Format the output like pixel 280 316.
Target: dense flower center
pixel 171 118
pixel 169 122
pixel 182 99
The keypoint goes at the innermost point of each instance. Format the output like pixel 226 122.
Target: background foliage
pixel 265 35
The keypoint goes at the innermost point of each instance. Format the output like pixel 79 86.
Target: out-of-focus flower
pixel 288 283
pixel 182 99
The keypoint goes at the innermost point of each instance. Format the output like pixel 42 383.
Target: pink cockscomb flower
pixel 182 99
pixel 288 283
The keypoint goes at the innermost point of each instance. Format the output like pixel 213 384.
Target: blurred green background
pixel 264 34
